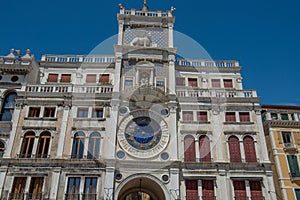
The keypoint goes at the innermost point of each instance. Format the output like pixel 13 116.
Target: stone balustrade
pixel 75 59
pixel 147 14
pixel 67 89
pixel 207 63
pixel 216 93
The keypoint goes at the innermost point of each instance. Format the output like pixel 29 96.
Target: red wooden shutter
pixel 234 149
pixel 240 190
pixel 104 78
pixel 256 191
pixel 216 83
pixel 191 189
pixel 189 149
pixel 180 81
pixel 53 78
pixel 187 116
pixel 230 117
pixel 244 117
pixel 204 144
pixel 91 78
pixel 193 82
pixel 202 116
pixel 65 78
pixel 250 154
pixel 208 192
pixel 228 83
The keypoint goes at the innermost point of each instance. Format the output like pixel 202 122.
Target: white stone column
pixel 35 146
pixel 172 75
pixel 200 189
pixel 171 36
pixel 173 132
pixel 174 184
pixel 248 192
pixel 15 121
pixel 222 187
pixel 296 117
pixel 271 187
pixel 2 180
pixel 117 77
pixel 217 137
pixel 242 150
pixel 26 190
pixel 109 183
pixel 54 184
pixel 120 35
pixel 262 139
pixel 197 150
pixel 62 134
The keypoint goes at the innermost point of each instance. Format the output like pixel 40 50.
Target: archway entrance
pixel 141 189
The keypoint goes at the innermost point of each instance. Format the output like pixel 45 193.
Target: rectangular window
pixel 97 113
pixel 34 112
pixel 128 82
pixel 91 78
pixel 287 138
pixel 240 190
pixel 90 188
pixel 187 116
pixel 228 83
pixel 65 78
pixel 255 189
pixel 208 189
pixel 49 112
pixel 284 116
pixel 230 117
pixel 52 78
pixel 297 193
pixel 191 189
pixel 274 116
pixel 36 188
pixel 202 117
pixel 160 83
pixel 216 83
pixel 104 78
pixel 193 82
pixel 82 112
pixel 18 188
pixel 244 116
pixel 73 188
pixel 294 167
pixel 180 81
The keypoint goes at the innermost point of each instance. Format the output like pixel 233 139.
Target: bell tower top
pixel 145 7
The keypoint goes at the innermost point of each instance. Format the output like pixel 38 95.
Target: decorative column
pixel 54 183
pixel 197 149
pixel 172 78
pixel 217 135
pixel 222 186
pixel 15 121
pixel 118 65
pixel 173 131
pixel 171 37
pixel 174 184
pixel 109 183
pixel 263 144
pixel 62 134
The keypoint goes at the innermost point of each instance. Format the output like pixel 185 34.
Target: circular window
pixel 164 156
pixel 14 79
pixel 119 177
pixel 123 110
pixel 165 178
pixel 120 154
pixel 164 112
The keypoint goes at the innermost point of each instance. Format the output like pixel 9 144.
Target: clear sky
pixel 263 34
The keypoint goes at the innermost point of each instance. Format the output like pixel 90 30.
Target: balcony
pixel 289 147
pixel 196 93
pixel 26 196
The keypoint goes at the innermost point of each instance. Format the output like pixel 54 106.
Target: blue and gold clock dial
pixel 143 133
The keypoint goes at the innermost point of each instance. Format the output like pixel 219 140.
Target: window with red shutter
pixel 244 117
pixel 228 83
pixel 91 78
pixel 208 192
pixel 104 78
pixel 52 78
pixel 180 81
pixel 202 117
pixel 216 83
pixel 255 189
pixel 204 145
pixel 234 149
pixel 191 189
pixel 193 82
pixel 189 149
pixel 240 190
pixel 230 117
pixel 187 116
pixel 250 154
pixel 65 78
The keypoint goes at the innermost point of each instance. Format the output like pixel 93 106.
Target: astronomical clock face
pixel 143 134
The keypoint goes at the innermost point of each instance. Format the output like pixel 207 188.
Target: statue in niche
pixel 141 39
pixel 144 79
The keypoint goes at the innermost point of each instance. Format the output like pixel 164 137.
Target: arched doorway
pixel 140 188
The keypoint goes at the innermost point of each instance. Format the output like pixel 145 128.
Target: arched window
pixel 204 145
pixel 94 146
pixel 27 145
pixel 189 149
pixel 78 145
pixel 8 107
pixel 234 149
pixel 2 148
pixel 43 145
pixel 250 154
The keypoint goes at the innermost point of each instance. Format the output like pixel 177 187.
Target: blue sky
pixel 263 35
